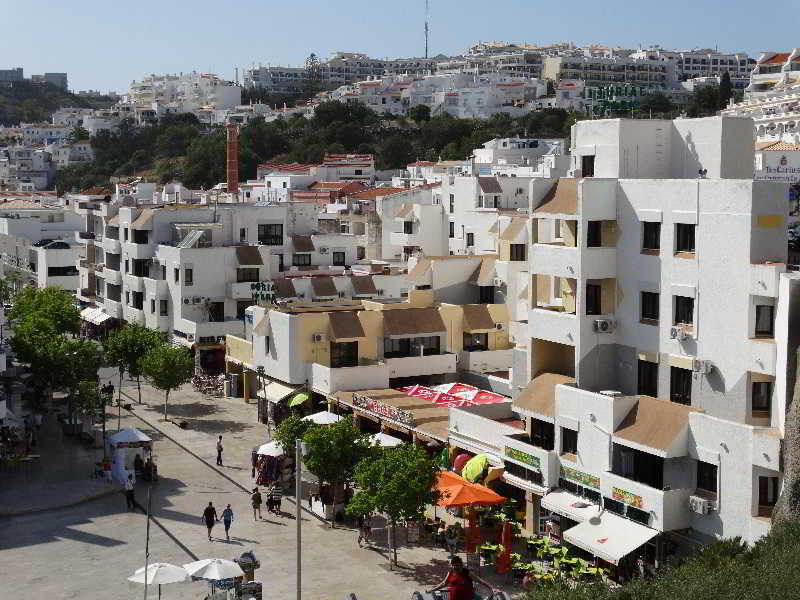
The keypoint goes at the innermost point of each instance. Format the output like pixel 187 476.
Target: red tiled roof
pixel 292 167
pixel 96 191
pixel 375 192
pixel 330 185
pixel 422 163
pixel 781 57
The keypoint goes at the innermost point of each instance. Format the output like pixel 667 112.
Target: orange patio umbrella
pixel 457 491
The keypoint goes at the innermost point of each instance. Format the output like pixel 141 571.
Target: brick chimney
pixel 232 159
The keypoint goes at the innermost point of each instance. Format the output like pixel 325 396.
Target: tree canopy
pixel 290 429
pixel 126 346
pixel 52 304
pixel 167 368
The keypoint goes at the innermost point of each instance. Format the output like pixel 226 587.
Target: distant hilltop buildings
pixel 16 74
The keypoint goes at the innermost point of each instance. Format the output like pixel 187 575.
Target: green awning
pixel 298 399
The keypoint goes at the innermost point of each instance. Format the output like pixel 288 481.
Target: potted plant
pixel 489 551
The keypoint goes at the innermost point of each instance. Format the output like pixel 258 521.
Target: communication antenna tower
pixel 426 28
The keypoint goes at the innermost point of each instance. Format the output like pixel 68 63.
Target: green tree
pixel 725 89
pixel 291 428
pixel 88 399
pixel 51 303
pixel 657 103
pixel 78 134
pixel 205 161
pixel 6 290
pixel 334 451
pixel 167 368
pixel 419 113
pixel 395 153
pixel 397 482
pixel 313 75
pixel 125 348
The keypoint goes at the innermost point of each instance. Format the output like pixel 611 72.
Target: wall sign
pixel 383 410
pixel 523 457
pixel 626 497
pixel 580 477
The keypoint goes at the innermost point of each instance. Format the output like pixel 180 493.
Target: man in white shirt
pixel 129 498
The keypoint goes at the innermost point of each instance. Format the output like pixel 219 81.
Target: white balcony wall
pixel 549 464
pixel 598 263
pixel 559 261
pixel 764 279
pixel 413 366
pixel 327 380
pixel 668 509
pixel 553 326
pixel 485 361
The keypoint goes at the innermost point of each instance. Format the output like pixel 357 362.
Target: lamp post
pixel 261 374
pixel 298 489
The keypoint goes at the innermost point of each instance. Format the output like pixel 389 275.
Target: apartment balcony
pixel 204 332
pixel 669 509
pixel 240 290
pixel 134 283
pixel 412 366
pixel 133 315
pixel 553 326
pixel 765 279
pixel 556 260
pixel 598 263
pixel 83 237
pixel 238 350
pixel 112 245
pixel 533 458
pixel 366 375
pixel 485 361
pixel 406 239
pixel 140 251
pixel 763 356
pixel 155 287
pixel 114 308
pixel 112 277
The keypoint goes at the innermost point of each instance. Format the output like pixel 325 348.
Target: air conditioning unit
pixel 196 299
pixel 702 366
pixel 603 325
pixel 499 326
pixel 220 339
pixel 379 292
pixel 341 294
pixel 677 333
pixel 323 250
pixel 497 282
pixel 186 301
pixel 700 505
pixel 317 337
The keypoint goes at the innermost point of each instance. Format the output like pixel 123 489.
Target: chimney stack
pixel 232 162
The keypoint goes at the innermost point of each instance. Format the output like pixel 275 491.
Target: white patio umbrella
pixel 385 440
pixel 159 574
pixel 213 569
pixel 323 418
pixel 270 449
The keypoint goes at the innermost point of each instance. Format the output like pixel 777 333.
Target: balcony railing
pixel 86 235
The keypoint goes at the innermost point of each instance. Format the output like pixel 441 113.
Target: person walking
pixel 210 517
pixel 227 519
pixel 274 497
pixel 219 451
pixel 256 501
pixel 130 500
pixel 364 529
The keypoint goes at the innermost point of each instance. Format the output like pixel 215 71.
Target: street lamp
pixel 299 451
pixel 261 374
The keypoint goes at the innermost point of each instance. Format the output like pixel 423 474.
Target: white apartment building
pixel 690 64
pixel 34 134
pixel 183 93
pixel 65 155
pixel 601 71
pixel 774 71
pixel 26 168
pixel 642 393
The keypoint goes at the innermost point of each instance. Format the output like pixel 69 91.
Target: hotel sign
pixel 523 457
pixel 580 477
pixel 380 409
pixel 626 497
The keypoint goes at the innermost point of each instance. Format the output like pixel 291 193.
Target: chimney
pixel 232 162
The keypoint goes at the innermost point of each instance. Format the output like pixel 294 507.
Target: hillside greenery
pixel 34 102
pixel 726 570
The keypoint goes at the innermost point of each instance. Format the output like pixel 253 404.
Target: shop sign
pixel 626 497
pixel 523 457
pixel 580 477
pixel 383 410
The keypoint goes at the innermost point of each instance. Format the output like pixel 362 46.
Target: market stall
pixel 271 465
pixel 124 446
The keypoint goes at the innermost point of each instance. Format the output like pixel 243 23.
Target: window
pixel 470 240
pixel 593 236
pixel 338 259
pixel 163 272
pixel 241 308
pixel 648 379
pixel 637 465
pixel 543 434
pixel 649 306
pixel 684 310
pixel 344 354
pixel 126 265
pixel 761 398
pixel 408 227
pixel 680 386
pixel 125 233
pixel 587 166
pixel 593 293
pixel 684 237
pixel 765 319
pixel 767 495
pixel 517 252
pixel 358 171
pixel 188 277
pixel 569 441
pixel 706 477
pixel 452 203
pixel 162 308
pixel 301 260
pixel 152 306
pixel 270 234
pixel 246 274
pixel 242 234
pixel 452 232
pixel 128 298
pixel 476 341
pixel 283 185
pixel 651 236
pixel 177 275
pixel 486 294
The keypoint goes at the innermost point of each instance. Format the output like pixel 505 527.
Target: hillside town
pixel 564 353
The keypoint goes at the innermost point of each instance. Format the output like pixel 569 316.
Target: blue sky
pixel 106 44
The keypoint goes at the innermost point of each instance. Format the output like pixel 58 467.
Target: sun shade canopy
pixel 457 491
pixel 609 537
pixel 345 326
pixel 539 396
pixel 561 199
pixel 412 321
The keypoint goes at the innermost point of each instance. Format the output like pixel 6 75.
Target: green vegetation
pixel 179 147
pixel 292 428
pixel 126 346
pixel 30 102
pixel 397 482
pixel 726 570
pixel 167 368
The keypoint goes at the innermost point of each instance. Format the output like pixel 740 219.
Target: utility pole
pixel 147 541
pixel 298 488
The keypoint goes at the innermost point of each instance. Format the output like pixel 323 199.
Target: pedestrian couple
pixel 210 518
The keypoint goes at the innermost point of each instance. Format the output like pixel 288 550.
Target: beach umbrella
pixel 299 399
pixel 213 569
pixel 460 461
pixel 323 418
pixel 270 449
pixel 385 440
pixel 159 574
pixel 456 491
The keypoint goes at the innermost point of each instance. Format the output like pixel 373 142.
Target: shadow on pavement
pixel 192 409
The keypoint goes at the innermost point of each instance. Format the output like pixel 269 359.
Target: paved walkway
pixel 95 546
